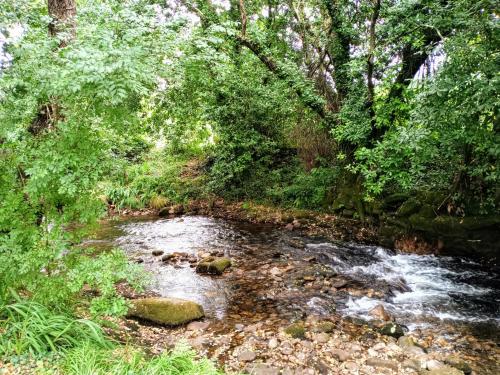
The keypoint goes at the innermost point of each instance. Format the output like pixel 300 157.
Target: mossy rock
pixel 296 330
pixel 213 265
pixel 424 224
pixel 167 311
pixel 432 197
pixel 326 327
pixel 408 208
pixel 395 200
pixel 427 211
pixel 393 330
pixel 458 364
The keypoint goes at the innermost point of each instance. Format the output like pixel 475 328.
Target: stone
pixel 322 337
pixel 286 348
pixel 275 271
pixel 273 343
pixel 406 341
pixel 163 212
pixel 351 366
pixel 379 346
pixel 458 364
pixel 383 363
pixel 246 356
pixel 157 253
pixel 262 369
pixel 176 209
pixel 197 326
pixel 413 364
pixel 434 364
pixel 325 326
pixel 167 311
pixel 289 226
pixel 198 342
pixel 338 284
pixel 408 208
pixel 446 370
pixel 414 351
pixel 322 367
pixel 213 265
pixel 167 257
pixel 296 330
pixel 340 355
pixel 379 312
pixel 393 330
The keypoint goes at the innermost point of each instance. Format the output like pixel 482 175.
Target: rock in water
pixel 168 311
pixel 393 330
pixel 213 265
pixel 379 312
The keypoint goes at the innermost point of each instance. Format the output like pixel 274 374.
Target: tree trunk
pixel 63 14
pixel 62 26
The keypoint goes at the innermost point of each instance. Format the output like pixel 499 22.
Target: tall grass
pixel 88 359
pixel 30 328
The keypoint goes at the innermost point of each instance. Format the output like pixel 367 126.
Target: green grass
pixel 31 334
pixel 29 327
pixel 88 359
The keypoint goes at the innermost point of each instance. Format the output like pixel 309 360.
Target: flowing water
pixel 419 291
pixel 452 295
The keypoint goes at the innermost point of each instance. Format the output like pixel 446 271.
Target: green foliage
pixel 306 190
pixel 29 327
pixel 87 359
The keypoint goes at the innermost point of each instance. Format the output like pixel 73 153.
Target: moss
pixel 168 311
pixel 408 208
pixel 296 330
pixel 458 364
pixel 393 330
pixel 394 200
pixel 213 265
pixel 325 327
pixel 427 211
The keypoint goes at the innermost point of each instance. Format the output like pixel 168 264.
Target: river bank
pixel 401 226
pixel 251 305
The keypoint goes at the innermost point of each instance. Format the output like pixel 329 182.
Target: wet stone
pixel 393 330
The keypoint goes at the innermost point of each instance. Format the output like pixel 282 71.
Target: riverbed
pixel 281 276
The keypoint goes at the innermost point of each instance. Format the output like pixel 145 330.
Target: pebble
pixel 377 362
pixel 434 365
pixel 262 369
pixel 286 348
pixel 273 343
pixel 197 326
pixel 246 356
pixel 340 354
pixel 351 366
pixel 322 337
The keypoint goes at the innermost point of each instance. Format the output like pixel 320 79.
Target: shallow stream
pixel 282 273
